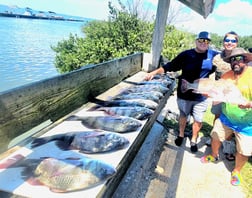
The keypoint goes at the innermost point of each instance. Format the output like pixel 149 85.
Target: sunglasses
pixel 203 41
pixel 230 40
pixel 236 58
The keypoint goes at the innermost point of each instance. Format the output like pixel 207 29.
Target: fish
pixel 137 95
pixel 118 124
pixel 163 82
pixel 89 142
pixel 139 113
pixel 156 94
pixel 126 103
pixel 65 175
pixel 218 90
pixel 150 87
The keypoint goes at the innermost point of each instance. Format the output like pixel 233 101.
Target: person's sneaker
pixel 209 158
pixel 194 147
pixel 235 178
pixel 179 141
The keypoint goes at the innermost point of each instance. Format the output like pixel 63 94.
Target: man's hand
pixel 149 76
pixel 245 106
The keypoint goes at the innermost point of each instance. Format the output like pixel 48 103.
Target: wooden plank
pixel 159 32
pixel 26 107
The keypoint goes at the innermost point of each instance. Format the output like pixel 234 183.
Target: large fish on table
pixel 163 82
pixel 139 113
pixel 218 90
pixel 65 175
pixel 118 124
pixel 126 103
pixel 86 142
pixel 137 95
pixel 148 87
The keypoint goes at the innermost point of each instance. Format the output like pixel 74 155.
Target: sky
pixel 227 15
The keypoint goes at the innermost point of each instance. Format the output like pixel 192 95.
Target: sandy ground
pixel 163 170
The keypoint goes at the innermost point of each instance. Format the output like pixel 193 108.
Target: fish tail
pixel 97 101
pixel 185 85
pixel 65 144
pixel 73 118
pixel 39 141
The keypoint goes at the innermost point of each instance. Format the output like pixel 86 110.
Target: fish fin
pixel 73 118
pixel 73 158
pixel 97 101
pixel 11 161
pixel 63 145
pixel 34 181
pixel 184 85
pixel 57 190
pixel 39 141
pixel 131 82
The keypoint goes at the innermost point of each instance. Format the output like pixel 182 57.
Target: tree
pixel 122 35
pixel 175 41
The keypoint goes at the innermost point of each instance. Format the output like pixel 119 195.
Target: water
pixel 25 52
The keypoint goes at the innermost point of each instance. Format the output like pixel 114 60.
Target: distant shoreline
pixel 59 18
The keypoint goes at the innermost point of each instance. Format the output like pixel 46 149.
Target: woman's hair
pixel 232 33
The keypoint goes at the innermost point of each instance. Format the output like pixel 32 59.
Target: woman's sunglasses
pixel 230 40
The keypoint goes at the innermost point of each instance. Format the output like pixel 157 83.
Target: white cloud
pixel 235 8
pixel 233 15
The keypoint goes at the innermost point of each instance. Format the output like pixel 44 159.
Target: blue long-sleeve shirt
pixel 193 65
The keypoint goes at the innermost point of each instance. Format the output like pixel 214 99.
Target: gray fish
pixel 86 142
pixel 137 95
pixel 126 103
pixel 118 124
pixel 66 175
pixel 150 87
pixel 155 82
pixel 140 113
pixel 156 94
pixel 163 82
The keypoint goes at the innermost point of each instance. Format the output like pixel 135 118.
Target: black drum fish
pixel 118 124
pixel 126 103
pixel 137 95
pixel 140 113
pixel 86 142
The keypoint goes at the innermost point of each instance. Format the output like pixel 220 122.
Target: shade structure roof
pixel 203 7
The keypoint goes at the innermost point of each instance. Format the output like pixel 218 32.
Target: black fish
pixel 126 103
pixel 118 124
pixel 137 95
pixel 86 142
pixel 140 113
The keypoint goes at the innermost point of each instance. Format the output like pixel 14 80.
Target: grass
pixel 205 131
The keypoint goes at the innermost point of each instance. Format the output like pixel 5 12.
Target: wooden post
pixel 159 31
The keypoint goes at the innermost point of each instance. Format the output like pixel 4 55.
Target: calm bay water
pixel 26 55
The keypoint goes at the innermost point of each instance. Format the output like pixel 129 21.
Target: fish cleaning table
pixel 11 182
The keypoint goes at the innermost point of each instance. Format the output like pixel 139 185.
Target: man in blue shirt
pixel 194 63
